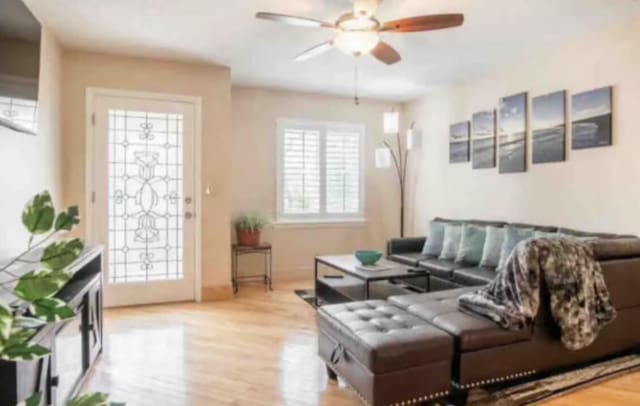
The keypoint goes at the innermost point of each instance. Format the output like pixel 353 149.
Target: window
pixel 22 112
pixel 320 171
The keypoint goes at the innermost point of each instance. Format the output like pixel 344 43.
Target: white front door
pixel 142 198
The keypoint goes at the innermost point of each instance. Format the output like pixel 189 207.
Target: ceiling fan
pixel 359 31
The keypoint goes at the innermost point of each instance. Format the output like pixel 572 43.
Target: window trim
pixel 323 217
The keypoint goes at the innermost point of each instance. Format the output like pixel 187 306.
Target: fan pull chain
pixel 356 99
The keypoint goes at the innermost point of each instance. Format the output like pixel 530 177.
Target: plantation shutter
pixel 301 171
pixel 342 172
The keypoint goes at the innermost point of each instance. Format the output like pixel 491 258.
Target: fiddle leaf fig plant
pixel 35 303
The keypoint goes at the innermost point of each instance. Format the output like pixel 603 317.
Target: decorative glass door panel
pixel 145 196
pixel 144 206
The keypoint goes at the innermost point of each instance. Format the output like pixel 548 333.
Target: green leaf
pixel 33 400
pixel 38 214
pixel 25 322
pixel 51 310
pixel 24 352
pixel 93 399
pixel 20 336
pixel 59 255
pixel 68 219
pixel 6 322
pixel 40 284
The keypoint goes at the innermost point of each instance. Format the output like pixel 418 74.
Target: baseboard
pixel 217 293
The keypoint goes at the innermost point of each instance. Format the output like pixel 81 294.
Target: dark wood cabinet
pixel 75 344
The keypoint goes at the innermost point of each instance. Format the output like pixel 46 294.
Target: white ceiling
pixel 495 33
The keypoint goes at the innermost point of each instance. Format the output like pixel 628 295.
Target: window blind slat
pixel 343 172
pixel 301 172
pixel 321 172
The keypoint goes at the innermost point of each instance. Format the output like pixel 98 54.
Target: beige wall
pixel 253 176
pixel 30 164
pixel 595 189
pixel 82 70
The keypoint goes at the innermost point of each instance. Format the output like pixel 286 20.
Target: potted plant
pixel 36 303
pixel 248 228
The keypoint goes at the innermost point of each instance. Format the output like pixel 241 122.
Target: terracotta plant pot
pixel 249 238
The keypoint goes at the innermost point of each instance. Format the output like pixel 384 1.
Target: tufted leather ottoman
pixel 388 355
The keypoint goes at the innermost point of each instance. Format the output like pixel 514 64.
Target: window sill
pixel 320 223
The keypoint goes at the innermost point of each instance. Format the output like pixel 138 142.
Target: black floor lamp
pixel 398 155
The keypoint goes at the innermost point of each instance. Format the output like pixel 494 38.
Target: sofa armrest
pixel 405 245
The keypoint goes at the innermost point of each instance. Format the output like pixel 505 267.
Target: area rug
pixel 308 295
pixel 543 389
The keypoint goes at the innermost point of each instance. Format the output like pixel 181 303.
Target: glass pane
pixel 301 167
pixel 343 172
pixel 145 196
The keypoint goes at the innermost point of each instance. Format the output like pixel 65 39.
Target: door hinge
pixel 93 118
pixel 93 197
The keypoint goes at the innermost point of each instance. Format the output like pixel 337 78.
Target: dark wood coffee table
pixel 353 278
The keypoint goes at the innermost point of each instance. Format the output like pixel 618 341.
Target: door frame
pixel 92 93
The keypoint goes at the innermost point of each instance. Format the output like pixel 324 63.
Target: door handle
pixel 188 215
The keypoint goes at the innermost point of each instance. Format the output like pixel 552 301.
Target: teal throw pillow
pixel 471 244
pixel 451 243
pixel 512 236
pixel 579 238
pixel 435 239
pixel 546 234
pixel 492 247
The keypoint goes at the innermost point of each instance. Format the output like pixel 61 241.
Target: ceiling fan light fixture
pixel 356 42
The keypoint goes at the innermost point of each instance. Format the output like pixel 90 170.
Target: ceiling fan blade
pixel 424 23
pixel 315 51
pixel 365 8
pixel 385 53
pixel 293 20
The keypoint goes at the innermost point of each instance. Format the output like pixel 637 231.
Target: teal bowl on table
pixel 368 257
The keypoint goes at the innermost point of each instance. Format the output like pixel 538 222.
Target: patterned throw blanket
pixel 579 298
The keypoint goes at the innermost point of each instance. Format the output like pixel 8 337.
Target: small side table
pixel 240 250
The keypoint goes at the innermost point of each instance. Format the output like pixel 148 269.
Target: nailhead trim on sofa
pixel 495 380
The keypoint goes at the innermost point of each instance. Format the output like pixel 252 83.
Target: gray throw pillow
pixel 451 243
pixel 492 247
pixel 471 244
pixel 512 236
pixel 433 245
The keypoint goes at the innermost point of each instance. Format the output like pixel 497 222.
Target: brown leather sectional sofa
pixel 414 348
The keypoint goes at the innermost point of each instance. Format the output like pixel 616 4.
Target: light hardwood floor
pixel 258 349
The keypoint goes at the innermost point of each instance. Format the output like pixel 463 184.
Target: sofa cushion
pixel 384 337
pixel 492 246
pixel 441 268
pixel 451 243
pixel 578 233
pixel 474 276
pixel 512 236
pixel 616 248
pixel 433 245
pixel 409 258
pixel 472 332
pixel 471 244
pixel 548 229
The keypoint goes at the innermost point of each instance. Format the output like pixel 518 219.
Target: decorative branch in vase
pixel 36 303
